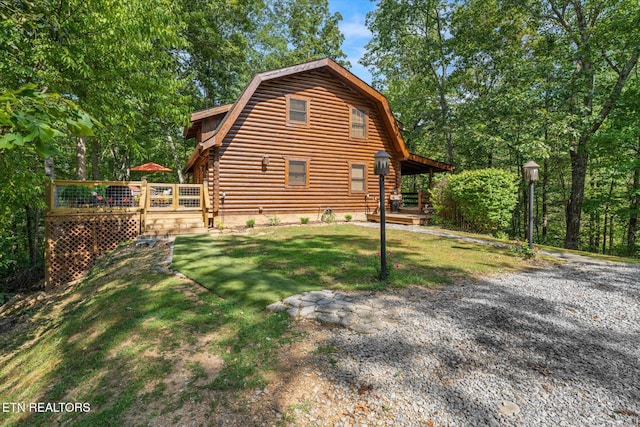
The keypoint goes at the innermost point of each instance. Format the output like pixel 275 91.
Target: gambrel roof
pixel 232 111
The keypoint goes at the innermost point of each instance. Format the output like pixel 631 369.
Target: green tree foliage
pixel 229 41
pixel 21 204
pixel 504 82
pixel 295 31
pixel 34 119
pixel 411 58
pixel 479 200
pixel 139 67
pixel 220 36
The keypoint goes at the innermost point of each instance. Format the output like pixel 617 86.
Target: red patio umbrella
pixel 151 167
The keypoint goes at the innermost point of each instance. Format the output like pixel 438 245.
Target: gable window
pixel 297 173
pixel 297 111
pixel 357 178
pixel 358 123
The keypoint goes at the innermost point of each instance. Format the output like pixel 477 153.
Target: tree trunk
pixel 114 154
pixel 591 123
pixel 81 158
pixel 634 207
pixel 611 236
pixel 594 221
pixel 36 238
pixel 609 218
pixel 579 159
pixel 176 159
pixel 29 230
pixel 49 168
pixel 126 166
pixel 605 230
pixel 95 160
pixel 545 212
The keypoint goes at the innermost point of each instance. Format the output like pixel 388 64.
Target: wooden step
pixel 179 222
pixel 174 232
pixel 406 219
pixel 173 223
pixel 409 211
pixel 174 214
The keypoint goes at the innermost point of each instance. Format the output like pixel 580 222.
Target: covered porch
pixel 412 208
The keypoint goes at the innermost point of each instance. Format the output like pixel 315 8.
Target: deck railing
pixel 417 199
pixel 65 197
pixel 174 196
pixel 68 197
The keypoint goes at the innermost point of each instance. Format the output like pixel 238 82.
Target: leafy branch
pixel 33 118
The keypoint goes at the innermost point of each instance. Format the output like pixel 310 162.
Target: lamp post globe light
pixel 530 170
pixel 381 168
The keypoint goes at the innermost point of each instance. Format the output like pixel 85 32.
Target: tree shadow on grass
pixel 110 344
pixel 259 270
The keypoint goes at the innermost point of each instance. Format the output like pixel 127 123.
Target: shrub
pixel 391 265
pixel 480 200
pixel 328 216
pixel 304 220
pixel 274 220
pixel 523 250
pixel 347 217
pixel 250 223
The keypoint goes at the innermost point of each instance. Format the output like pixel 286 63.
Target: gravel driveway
pixel 555 347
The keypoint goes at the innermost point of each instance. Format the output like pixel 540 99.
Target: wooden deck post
pixel 206 203
pixel 174 200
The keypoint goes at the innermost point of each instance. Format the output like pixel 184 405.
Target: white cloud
pixel 354 28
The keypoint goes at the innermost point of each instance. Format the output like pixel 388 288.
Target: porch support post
pixel 216 178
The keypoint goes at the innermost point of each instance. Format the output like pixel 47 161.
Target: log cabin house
pixel 298 142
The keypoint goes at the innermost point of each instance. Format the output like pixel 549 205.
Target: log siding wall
pixel 326 143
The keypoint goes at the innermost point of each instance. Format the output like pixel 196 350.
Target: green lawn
pixel 121 339
pixel 132 341
pixel 268 264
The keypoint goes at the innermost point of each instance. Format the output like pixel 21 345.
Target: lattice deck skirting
pixel 74 242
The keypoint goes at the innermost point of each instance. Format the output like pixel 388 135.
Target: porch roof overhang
pixel 416 165
pixel 195 121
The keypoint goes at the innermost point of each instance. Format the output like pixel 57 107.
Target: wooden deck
pixel 86 219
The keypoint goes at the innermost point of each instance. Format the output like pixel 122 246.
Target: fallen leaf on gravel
pixel 626 412
pixel 541 369
pixel 364 388
pixel 361 407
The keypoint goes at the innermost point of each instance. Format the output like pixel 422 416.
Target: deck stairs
pixel 161 224
pixel 406 216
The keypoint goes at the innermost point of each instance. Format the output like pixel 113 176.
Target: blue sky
pixel 356 34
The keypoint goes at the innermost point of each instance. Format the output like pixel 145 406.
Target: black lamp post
pixel 531 175
pixel 381 168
